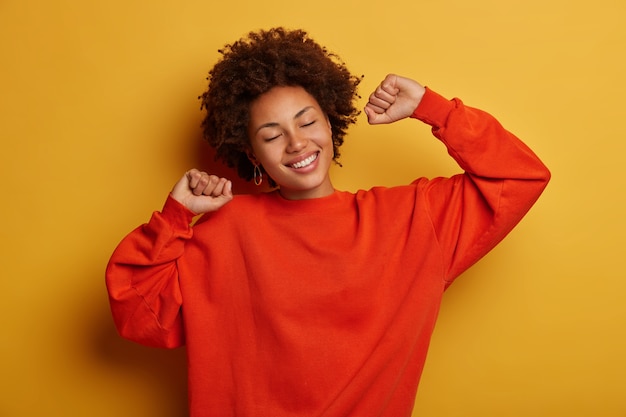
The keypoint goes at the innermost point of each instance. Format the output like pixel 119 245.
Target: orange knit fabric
pixel 322 307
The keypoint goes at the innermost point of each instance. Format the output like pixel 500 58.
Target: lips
pixel 305 162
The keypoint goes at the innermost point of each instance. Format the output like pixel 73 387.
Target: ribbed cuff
pixel 433 109
pixel 176 214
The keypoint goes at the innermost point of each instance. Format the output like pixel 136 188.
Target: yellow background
pixel 99 118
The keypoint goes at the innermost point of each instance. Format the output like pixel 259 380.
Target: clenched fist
pixel 201 192
pixel 395 98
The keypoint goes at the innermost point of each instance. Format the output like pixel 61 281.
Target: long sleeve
pixel 142 279
pixel 503 178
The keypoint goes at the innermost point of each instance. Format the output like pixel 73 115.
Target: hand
pixel 394 99
pixel 201 192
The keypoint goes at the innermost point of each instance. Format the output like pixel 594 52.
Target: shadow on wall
pixel 161 373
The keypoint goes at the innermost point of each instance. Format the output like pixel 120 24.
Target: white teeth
pixel 306 162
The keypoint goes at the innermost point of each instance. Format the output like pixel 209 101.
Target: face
pixel 291 137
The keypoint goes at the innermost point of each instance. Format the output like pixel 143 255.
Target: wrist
pixel 177 213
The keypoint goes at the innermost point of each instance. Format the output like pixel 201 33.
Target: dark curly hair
pixel 255 64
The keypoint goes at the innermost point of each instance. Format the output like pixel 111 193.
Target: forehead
pixel 281 102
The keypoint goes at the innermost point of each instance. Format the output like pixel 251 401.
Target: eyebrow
pixel 274 124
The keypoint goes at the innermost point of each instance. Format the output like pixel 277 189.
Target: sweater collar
pixel 330 202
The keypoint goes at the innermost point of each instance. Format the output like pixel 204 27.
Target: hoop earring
pixel 257 175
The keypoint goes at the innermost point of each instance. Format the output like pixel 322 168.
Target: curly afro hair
pixel 255 64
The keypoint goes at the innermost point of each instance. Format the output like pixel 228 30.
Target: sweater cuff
pixel 433 109
pixel 176 214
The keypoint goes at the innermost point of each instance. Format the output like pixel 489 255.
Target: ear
pixel 251 156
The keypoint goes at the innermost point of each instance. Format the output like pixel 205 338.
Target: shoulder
pixel 393 194
pixel 240 207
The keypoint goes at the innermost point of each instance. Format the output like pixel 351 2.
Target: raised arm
pixel 142 276
pixel 502 179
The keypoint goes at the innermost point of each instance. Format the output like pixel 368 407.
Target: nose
pixel 296 143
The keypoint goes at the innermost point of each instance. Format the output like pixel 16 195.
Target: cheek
pixel 268 154
pixel 329 138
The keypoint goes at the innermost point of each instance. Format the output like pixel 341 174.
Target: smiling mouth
pixel 306 162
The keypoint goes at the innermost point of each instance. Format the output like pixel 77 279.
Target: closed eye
pixel 309 124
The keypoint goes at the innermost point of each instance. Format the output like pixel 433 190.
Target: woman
pixel 306 300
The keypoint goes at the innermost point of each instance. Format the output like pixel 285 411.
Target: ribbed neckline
pixel 280 204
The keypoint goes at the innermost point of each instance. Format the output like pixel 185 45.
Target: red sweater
pixel 322 307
